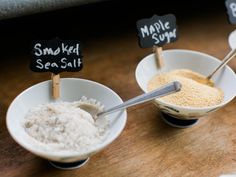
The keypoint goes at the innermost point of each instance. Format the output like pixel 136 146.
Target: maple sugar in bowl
pixel 178 115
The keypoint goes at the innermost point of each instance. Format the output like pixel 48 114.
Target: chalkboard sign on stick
pixel 56 56
pixel 231 10
pixel 157 31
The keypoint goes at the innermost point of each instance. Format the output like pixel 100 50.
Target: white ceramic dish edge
pixel 68 157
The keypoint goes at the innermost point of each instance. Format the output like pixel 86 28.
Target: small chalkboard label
pixel 157 31
pixel 56 56
pixel 231 10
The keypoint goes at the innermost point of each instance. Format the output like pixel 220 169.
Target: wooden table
pixel 147 146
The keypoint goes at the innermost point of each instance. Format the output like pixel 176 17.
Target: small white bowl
pixel 195 61
pixel 72 89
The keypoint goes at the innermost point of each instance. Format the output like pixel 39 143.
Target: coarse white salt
pixel 64 126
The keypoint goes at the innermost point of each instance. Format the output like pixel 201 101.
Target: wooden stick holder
pixel 55 86
pixel 158 54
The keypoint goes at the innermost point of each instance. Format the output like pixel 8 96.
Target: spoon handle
pixel 228 57
pixel 162 91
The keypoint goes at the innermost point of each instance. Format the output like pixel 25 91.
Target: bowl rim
pixel 91 150
pixel 232 33
pixel 187 107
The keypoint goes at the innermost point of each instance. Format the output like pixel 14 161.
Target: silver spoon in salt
pixel 159 92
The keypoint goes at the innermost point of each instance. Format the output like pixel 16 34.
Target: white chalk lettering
pixel 233 8
pixel 40 65
pixel 151 29
pixel 79 62
pixel 37 48
pixel 75 63
pixel 64 63
pixel 76 49
pixel 45 51
pixel 70 49
pixel 167 36
pixel 154 36
pixel 38 51
pixel 69 64
pixel 162 26
pixel 46 66
pixel 53 65
pixel 144 31
pixel 167 25
pixel 56 56
pixel 64 48
pixel 57 51
pixel 158 27
pixel 162 37
pixel 173 33
pixel 49 51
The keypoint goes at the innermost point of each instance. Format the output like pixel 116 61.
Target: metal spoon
pixel 227 58
pixel 159 92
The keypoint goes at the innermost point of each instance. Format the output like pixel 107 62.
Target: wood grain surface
pixel 147 146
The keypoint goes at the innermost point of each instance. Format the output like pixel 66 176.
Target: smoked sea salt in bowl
pixel 72 89
pixel 186 116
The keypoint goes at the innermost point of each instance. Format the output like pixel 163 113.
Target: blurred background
pixel 86 20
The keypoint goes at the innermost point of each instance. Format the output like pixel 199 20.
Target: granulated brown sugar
pixel 192 94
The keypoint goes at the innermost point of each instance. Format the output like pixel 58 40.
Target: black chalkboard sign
pixel 56 56
pixel 158 30
pixel 231 10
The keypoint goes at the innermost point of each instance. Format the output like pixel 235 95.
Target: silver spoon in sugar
pixel 207 80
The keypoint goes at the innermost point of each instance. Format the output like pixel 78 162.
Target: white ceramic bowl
pixel 71 90
pixel 195 61
pixel 232 39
